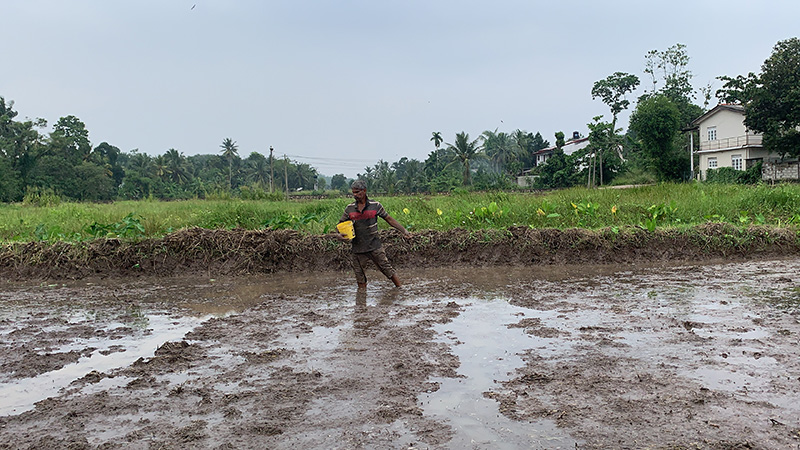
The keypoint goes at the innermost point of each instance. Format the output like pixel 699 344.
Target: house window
pixel 736 162
pixel 712 133
pixel 712 163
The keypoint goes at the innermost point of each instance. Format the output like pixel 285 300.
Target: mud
pixel 592 356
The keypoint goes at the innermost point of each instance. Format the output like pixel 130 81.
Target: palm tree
pixel 176 163
pixel 304 174
pixel 437 139
pixel 141 163
pixel 464 151
pixel 229 150
pixel 161 167
pixel 257 169
pixel 412 176
pixel 385 179
pixel 500 149
pixel 522 140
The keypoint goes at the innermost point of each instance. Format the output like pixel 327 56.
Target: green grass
pixel 663 205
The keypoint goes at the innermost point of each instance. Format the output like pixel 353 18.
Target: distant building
pixel 540 157
pixel 725 141
pixel 570 147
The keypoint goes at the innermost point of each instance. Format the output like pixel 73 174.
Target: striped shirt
pixel 365 223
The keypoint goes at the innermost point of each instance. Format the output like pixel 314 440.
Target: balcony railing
pixel 731 142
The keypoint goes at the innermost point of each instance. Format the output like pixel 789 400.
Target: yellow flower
pixel 438 211
pixel 540 212
pixel 575 206
pixel 614 209
pixel 406 211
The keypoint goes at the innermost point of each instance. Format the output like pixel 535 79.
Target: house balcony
pixel 747 140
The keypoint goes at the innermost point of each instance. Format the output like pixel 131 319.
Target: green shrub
pixel 42 197
pixel 729 175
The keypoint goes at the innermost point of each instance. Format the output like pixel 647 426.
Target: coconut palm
pixel 437 139
pixel 500 149
pixel 304 175
pixel 464 152
pixel 176 163
pixel 161 167
pixel 141 163
pixel 411 177
pixel 229 151
pixel 257 169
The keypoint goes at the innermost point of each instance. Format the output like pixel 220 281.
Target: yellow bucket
pixel 346 228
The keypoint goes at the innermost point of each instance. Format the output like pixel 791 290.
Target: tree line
pixel 63 162
pixel 653 148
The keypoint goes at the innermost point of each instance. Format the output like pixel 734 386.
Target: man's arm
pixel 396 225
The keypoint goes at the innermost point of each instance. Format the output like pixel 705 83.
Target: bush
pixel 42 197
pixel 724 175
pixel 729 175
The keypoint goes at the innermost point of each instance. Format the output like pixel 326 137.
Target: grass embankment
pixel 650 207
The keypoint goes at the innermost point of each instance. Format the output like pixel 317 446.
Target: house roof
pixel 718 108
pixel 570 142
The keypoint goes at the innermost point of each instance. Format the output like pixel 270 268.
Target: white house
pixel 725 141
pixel 541 156
pixel 570 147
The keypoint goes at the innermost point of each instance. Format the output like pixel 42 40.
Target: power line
pixel 332 160
pixel 333 164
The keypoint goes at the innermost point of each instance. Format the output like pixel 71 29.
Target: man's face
pixel 360 195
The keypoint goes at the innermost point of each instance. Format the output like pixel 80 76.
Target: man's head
pixel 359 189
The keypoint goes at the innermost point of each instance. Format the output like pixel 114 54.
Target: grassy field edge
pixel 235 252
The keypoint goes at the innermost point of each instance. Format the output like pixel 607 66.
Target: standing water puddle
pixel 20 396
pixel 487 350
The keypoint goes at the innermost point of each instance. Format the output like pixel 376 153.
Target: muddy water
pixel 106 355
pixel 488 350
pixel 598 357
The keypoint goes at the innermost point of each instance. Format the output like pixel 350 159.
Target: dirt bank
pixel 241 252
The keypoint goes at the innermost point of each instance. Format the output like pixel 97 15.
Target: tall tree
pixel 464 151
pixel 108 156
pixel 437 139
pixel 339 182
pixel 161 167
pixel 410 175
pixel 611 91
pixel 177 166
pixel 671 68
pixel 20 142
pixel 70 140
pixel 522 142
pixel 257 166
pixel 304 176
pixel 656 122
pixel 229 151
pixel 772 99
pixel 605 159
pixel 500 149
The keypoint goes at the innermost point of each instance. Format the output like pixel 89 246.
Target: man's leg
pixel 358 261
pixel 380 260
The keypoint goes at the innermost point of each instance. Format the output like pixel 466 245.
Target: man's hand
pixel 340 237
pixel 396 225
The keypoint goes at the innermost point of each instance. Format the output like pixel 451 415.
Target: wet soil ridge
pixel 240 252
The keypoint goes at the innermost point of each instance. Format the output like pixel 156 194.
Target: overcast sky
pixel 342 84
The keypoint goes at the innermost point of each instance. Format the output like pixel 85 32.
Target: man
pixel 367 245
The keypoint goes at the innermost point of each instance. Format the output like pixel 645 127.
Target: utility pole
pixel 286 174
pixel 271 172
pixel 691 154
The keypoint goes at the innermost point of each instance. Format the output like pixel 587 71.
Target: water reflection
pixel 488 351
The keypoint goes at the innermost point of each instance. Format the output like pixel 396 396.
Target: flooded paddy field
pixel 634 356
